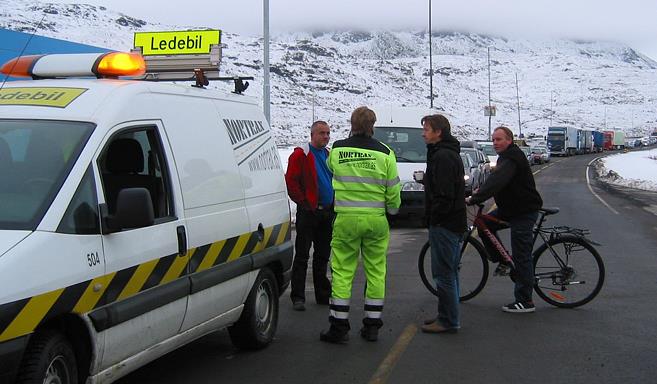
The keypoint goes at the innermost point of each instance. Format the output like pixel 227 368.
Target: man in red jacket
pixel 308 182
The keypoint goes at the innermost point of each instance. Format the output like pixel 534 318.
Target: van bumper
pixel 11 354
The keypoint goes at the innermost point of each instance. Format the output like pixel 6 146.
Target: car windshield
pixel 526 150
pixel 466 162
pixel 407 143
pixel 472 152
pixel 35 159
pixel 489 150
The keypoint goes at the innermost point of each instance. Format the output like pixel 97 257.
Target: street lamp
pixel 266 87
pixel 430 60
pixel 490 116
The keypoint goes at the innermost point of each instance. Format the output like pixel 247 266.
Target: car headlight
pixel 466 177
pixel 412 186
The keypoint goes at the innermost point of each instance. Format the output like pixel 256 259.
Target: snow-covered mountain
pixel 583 83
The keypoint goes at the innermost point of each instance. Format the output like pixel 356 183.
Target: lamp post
pixel 266 87
pixel 518 100
pixel 430 61
pixel 490 116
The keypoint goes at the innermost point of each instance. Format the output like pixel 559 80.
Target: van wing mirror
pixel 134 209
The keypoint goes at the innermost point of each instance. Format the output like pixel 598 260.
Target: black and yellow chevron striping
pixel 21 317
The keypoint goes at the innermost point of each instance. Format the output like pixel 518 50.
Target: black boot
pixel 334 336
pixel 338 333
pixel 370 330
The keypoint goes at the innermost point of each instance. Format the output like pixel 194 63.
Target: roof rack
pixel 164 63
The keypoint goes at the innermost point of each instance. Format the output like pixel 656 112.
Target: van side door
pixel 145 300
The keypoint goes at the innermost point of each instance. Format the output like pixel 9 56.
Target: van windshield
pixel 35 159
pixel 407 143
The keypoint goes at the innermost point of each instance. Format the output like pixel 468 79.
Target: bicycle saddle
pixel 550 211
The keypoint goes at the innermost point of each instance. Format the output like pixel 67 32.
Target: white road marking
pixel 588 183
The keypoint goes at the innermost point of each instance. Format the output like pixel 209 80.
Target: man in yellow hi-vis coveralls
pixel 366 186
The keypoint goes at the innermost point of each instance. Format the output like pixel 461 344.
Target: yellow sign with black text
pixel 42 96
pixel 177 43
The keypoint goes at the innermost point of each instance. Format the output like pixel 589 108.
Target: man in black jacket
pixel 513 187
pixel 444 189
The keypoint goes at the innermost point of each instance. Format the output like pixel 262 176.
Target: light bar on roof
pixel 111 64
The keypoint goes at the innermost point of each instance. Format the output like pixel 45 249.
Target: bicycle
pixel 566 264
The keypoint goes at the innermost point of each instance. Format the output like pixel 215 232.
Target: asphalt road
pixel 613 339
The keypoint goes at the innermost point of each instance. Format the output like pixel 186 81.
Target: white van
pixel 400 128
pixel 135 217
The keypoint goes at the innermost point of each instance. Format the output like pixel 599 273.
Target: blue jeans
pixel 522 237
pixel 445 255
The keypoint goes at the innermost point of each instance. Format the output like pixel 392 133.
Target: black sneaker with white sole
pixel 518 307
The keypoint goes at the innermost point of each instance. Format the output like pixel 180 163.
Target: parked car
pixel 489 151
pixel 540 155
pixel 528 154
pixel 471 173
pixel 480 160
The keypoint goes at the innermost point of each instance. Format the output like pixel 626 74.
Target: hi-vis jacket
pixel 365 176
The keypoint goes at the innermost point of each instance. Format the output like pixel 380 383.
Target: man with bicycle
pixel 512 186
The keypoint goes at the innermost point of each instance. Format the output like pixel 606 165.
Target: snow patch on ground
pixel 636 169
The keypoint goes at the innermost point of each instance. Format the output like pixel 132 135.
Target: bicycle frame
pixel 480 223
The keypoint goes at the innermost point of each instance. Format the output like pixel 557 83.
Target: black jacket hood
pixel 448 142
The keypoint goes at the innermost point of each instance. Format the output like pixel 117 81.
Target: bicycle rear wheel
pixel 473 269
pixel 572 277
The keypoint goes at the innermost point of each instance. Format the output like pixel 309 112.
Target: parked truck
pixel 608 142
pixel 563 141
pixel 587 141
pixel 598 141
pixel 619 139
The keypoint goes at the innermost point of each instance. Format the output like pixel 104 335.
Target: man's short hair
pixel 317 124
pixel 507 132
pixel 362 122
pixel 438 122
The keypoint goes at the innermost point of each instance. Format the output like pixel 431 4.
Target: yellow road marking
pixel 91 296
pixel 138 279
pixel 211 257
pixel 386 367
pixel 30 316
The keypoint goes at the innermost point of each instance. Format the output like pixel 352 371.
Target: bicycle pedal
pixel 502 270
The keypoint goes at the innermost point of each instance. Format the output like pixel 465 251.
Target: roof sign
pixel 42 96
pixel 177 43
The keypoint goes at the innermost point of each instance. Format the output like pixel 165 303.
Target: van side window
pixel 135 159
pixel 81 216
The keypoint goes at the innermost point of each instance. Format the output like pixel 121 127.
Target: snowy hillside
pixel 338 71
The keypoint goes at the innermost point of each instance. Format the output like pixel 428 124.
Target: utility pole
pixel 265 61
pixel 518 100
pixel 551 110
pixel 430 60
pixel 490 117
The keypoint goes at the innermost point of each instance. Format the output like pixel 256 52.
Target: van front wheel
pixel 49 360
pixel 257 326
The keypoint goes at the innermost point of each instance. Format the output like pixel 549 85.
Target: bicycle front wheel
pixel 473 269
pixel 569 273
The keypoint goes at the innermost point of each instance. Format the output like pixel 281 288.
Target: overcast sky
pixel 633 22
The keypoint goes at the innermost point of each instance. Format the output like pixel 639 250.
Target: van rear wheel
pixel 49 359
pixel 257 326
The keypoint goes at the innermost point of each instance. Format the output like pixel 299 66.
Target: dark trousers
pixel 313 228
pixel 521 250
